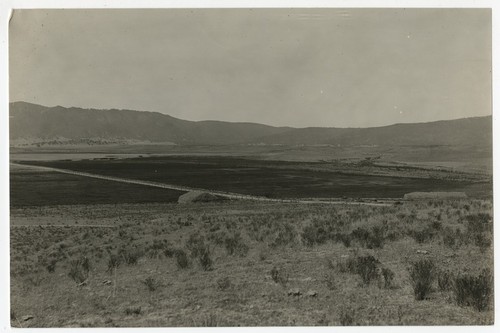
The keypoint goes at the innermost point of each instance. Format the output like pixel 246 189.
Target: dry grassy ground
pixel 242 263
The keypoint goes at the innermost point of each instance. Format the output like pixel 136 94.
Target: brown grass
pixel 147 288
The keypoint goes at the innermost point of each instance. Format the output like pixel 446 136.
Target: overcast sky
pixel 301 67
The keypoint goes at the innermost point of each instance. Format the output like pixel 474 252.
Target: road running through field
pixel 228 195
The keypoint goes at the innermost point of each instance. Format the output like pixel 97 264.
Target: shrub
pixel 482 242
pixel 377 238
pixel 151 283
pixel 234 245
pixel 133 311
pixel 371 239
pixel 279 276
pixel 205 260
pixel 479 223
pixel 347 266
pixel 284 235
pixel 388 277
pixel 437 225
pixel 366 268
pixel 330 280
pixel 218 237
pixel 210 320
pixel 182 259
pixel 196 245
pixel 361 235
pixel 422 275
pixel 312 235
pixel 155 250
pixel 51 266
pixel 345 239
pixel 422 236
pixel 450 237
pixel 347 316
pixel 475 291
pixel 263 255
pixel 114 262
pixel 444 280
pixel 223 283
pixel 168 252
pixel 130 256
pixel 79 269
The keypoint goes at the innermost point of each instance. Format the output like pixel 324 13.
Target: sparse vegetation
pixel 388 277
pixel 51 266
pixel 114 262
pixel 133 311
pixel 235 245
pixel 367 268
pixel 279 275
pixel 254 261
pixel 347 316
pixel 330 280
pixel 151 283
pixel 223 283
pixel 445 280
pixel 422 275
pixel 79 269
pixel 475 291
pixel 205 259
pixel 182 259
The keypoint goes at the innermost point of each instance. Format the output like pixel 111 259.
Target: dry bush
pixel 367 268
pixel 182 259
pixel 130 255
pixel 445 280
pixel 224 283
pixel 475 291
pixel 330 280
pixel 371 239
pixel 347 316
pixel 151 283
pixel 388 277
pixel 79 269
pixel 114 262
pixel 234 244
pixel 133 311
pixel 422 275
pixel 205 259
pixel 279 275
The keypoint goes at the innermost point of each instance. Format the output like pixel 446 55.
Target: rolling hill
pixel 36 123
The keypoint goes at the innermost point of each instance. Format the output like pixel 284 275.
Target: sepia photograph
pixel 244 167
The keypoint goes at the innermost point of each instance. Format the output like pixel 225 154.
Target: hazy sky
pixel 300 67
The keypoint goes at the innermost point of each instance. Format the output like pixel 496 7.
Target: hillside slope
pixel 45 123
pixel 467 132
pixel 39 123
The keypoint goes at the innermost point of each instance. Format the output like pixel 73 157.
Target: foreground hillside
pixel 32 124
pixel 248 264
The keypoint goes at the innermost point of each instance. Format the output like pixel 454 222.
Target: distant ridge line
pixel 31 124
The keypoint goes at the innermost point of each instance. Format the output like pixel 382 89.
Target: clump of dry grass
pixel 279 275
pixel 79 269
pixel 422 275
pixel 182 259
pixel 475 291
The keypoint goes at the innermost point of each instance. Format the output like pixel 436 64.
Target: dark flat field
pixel 34 188
pixel 275 179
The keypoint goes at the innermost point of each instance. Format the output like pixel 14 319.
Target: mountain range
pixel 37 123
